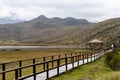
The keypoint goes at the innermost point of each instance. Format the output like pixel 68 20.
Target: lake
pixel 37 47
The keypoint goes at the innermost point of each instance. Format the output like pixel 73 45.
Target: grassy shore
pixel 19 54
pixel 97 70
pixel 13 55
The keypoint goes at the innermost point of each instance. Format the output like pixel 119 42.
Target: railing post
pixel 72 61
pixel 94 56
pixel 76 56
pixel 47 70
pixel 87 58
pixel 52 61
pixel 20 71
pixel 34 69
pixel 44 63
pixel 80 53
pixel 3 69
pixel 16 74
pixel 85 55
pixel 59 58
pixel 78 59
pixel 71 57
pixel 33 61
pixel 66 61
pixel 58 63
pixel 83 58
pixel 100 53
pixel 97 55
pixel 91 56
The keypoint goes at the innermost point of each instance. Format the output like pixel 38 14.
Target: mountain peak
pixel 68 21
pixel 42 17
pixel 11 19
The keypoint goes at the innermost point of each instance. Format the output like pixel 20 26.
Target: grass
pixel 17 54
pixel 13 55
pixel 112 76
pixel 97 70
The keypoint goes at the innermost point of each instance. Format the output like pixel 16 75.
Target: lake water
pixel 36 47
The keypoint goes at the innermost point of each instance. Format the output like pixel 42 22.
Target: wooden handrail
pixel 18 71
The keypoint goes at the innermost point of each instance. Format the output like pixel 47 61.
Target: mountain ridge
pixel 11 19
pixel 68 21
pixel 66 31
pixel 42 29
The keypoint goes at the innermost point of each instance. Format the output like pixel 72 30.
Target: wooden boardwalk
pixel 62 69
pixel 53 72
pixel 47 67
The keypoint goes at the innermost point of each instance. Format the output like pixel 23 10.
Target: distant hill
pixel 11 19
pixel 61 31
pixel 108 31
pixel 44 30
pixel 7 20
pixel 56 21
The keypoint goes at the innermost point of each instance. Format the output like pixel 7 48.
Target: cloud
pixel 93 10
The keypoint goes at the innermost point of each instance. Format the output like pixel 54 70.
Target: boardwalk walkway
pixel 62 69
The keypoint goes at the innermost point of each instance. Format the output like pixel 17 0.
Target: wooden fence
pixel 20 70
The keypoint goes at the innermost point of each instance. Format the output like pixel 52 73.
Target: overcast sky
pixel 92 10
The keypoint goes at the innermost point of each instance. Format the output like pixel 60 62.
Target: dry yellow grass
pixel 13 55
pixel 6 56
pixel 113 76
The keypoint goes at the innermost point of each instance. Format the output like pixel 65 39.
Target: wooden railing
pixel 22 69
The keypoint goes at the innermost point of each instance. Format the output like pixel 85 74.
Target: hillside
pixel 61 31
pixel 97 70
pixel 43 30
pixel 108 31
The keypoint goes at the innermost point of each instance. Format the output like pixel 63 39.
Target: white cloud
pixel 93 10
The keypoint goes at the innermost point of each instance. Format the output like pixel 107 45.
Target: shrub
pixel 16 49
pixel 3 49
pixel 113 59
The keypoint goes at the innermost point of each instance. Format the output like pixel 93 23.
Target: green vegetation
pixel 113 59
pixel 97 70
pixel 108 31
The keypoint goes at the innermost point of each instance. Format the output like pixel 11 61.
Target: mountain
pixel 108 31
pixel 44 30
pixel 69 21
pixel 13 18
pixel 61 31
pixel 7 20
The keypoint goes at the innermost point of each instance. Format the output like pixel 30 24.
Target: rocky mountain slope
pixel 61 31
pixel 108 31
pixel 44 30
